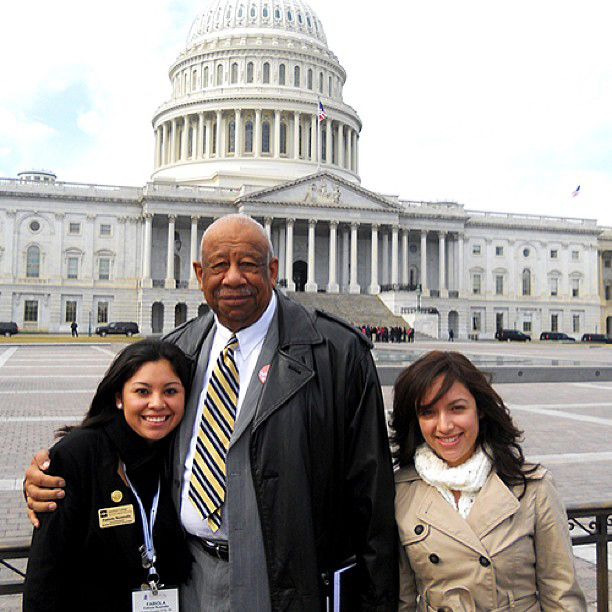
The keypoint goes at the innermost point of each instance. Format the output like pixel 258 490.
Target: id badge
pixel 166 600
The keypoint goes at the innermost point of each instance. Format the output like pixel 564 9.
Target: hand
pixel 39 488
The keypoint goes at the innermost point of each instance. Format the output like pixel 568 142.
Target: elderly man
pixel 295 476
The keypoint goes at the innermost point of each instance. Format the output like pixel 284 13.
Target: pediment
pixel 321 191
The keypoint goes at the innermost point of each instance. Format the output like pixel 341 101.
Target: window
pixel 499 284
pixel 527 327
pixel 34 226
pixel 33 262
pixel 575 256
pixel 265 137
pixel 320 82
pixel 475 249
pixel 296 76
pixel 476 280
pixel 324 145
pixel 102 312
pixel 283 138
pixel 248 137
pixel 476 321
pixel 265 12
pixel 575 287
pixel 104 268
pixel 607 263
pixel 105 229
pixel 72 267
pixel 219 74
pixel 309 79
pixel 329 87
pixel 554 322
pixel 74 228
pixel 266 72
pixel 576 323
pixel 526 278
pixel 231 137
pixel 554 253
pixel 250 72
pixel 194 80
pixel 71 311
pixel 499 251
pixel 554 286
pixel 525 252
pixel 205 77
pixel 253 12
pixel 234 73
pixel 281 74
pixel 499 321
pixel 30 311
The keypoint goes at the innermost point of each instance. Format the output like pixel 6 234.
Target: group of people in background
pixel 382 333
pixel 257 437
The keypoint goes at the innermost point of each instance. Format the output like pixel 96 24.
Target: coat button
pixel 434 558
pixel 419 529
pixel 484 562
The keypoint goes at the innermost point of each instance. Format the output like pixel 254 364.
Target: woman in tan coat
pixel 479 529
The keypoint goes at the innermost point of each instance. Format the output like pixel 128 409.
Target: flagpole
pixel 318 136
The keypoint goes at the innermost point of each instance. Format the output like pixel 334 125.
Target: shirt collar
pixel 253 335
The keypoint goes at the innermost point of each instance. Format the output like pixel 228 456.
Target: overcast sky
pixel 498 105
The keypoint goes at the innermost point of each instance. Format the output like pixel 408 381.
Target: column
pixel 424 289
pixel 374 286
pixel 395 257
pixel 238 133
pixel 200 146
pixel 277 121
pixel 356 153
pixel 296 135
pixel 311 285
pixel 157 146
pixel 345 257
pixel 185 139
pixel 268 226
pixel 328 141
pixel 349 149
pixel 195 256
pixel 209 137
pixel 289 256
pixel 385 258
pixel 219 132
pixel 173 142
pixel 282 246
pixel 257 135
pixel 442 264
pixel 340 145
pixel 332 285
pixel 405 276
pixel 313 138
pixel 146 262
pixel 170 283
pixel 602 288
pixel 353 286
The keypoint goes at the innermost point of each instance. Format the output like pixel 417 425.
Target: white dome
pixel 290 16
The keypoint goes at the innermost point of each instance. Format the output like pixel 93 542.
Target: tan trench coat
pixel 508 555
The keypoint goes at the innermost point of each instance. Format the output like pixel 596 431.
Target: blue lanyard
pixel 147 550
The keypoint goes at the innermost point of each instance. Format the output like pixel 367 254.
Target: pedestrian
pixel 309 477
pixel 74 328
pixel 451 335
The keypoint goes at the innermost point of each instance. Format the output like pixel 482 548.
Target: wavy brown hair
pixel 498 435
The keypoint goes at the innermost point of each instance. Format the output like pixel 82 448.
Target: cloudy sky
pixel 498 105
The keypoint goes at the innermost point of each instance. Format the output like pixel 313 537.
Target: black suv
pixel 558 336
pixel 8 328
pixel 127 328
pixel 596 338
pixel 506 335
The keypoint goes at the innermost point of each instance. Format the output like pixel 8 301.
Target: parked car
pixel 8 328
pixel 557 336
pixel 506 335
pixel 128 328
pixel 596 338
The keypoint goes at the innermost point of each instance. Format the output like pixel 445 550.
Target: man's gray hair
pixel 244 220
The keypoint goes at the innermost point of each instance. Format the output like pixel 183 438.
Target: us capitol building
pixel 241 133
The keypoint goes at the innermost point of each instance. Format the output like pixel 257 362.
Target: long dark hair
pixel 498 435
pixel 103 407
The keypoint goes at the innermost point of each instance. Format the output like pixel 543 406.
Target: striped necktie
pixel 208 476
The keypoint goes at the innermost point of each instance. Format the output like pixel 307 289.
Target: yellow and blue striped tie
pixel 208 476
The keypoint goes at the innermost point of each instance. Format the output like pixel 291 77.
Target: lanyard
pixel 147 550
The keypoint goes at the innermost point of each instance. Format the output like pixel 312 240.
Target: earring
pixel 120 406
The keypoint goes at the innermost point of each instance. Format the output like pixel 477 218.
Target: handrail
pixel 597 531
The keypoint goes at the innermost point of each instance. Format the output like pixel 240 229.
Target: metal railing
pixel 588 523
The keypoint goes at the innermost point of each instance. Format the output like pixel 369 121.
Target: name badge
pixel 113 517
pixel 166 600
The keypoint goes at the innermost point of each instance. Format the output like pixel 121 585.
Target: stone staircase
pixel 356 309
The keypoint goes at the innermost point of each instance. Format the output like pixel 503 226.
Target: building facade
pixel 243 131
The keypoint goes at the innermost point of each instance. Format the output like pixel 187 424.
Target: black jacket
pixel 320 460
pixel 76 565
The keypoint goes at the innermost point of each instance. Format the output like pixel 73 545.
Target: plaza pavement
pixel 568 426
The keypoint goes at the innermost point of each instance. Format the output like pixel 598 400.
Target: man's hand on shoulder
pixel 40 489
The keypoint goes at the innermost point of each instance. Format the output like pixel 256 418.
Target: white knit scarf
pixel 468 478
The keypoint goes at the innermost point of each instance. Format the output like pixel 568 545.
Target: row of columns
pixel 172 138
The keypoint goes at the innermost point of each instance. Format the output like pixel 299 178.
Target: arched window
pixel 248 137
pixel 194 80
pixel 250 72
pixel 33 262
pixel 220 74
pixel 253 11
pixel 309 79
pixel 296 76
pixel 283 138
pixel 281 74
pixel 231 140
pixel 526 281
pixel 265 12
pixel 234 74
pixel 266 72
pixel 205 77
pixel 320 82
pixel 329 87
pixel 184 82
pixel 265 137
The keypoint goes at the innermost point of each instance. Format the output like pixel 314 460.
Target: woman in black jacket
pixel 116 532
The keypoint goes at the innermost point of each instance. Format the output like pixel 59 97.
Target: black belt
pixel 215 549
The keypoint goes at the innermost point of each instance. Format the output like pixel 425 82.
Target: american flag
pixel 576 191
pixel 321 113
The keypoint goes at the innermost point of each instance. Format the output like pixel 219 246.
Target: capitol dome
pixel 247 91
